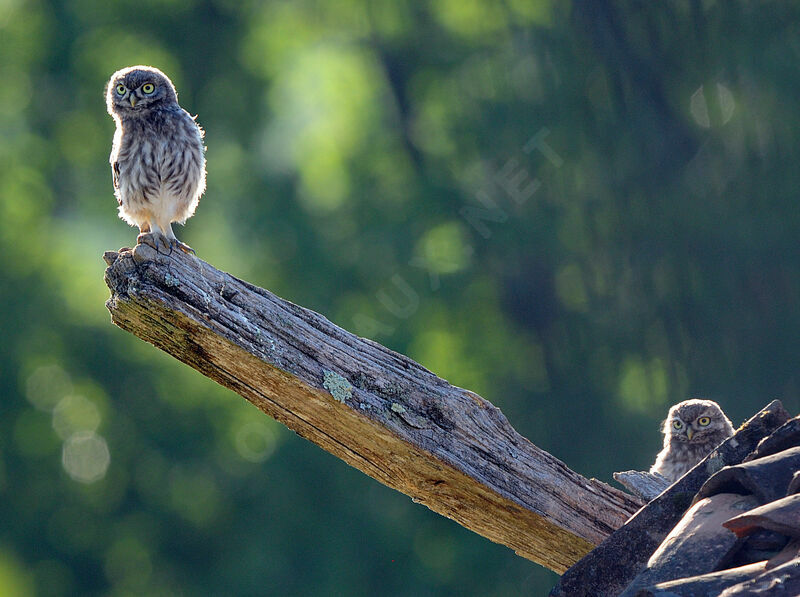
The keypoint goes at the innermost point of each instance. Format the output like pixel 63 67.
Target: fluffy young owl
pixel 157 160
pixel 691 430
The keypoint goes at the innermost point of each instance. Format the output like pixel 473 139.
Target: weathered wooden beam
pixel 377 410
pixel 646 485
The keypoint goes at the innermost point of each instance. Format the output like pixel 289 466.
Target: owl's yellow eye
pixel 703 421
pixel 121 89
pixel 148 88
pixel 677 424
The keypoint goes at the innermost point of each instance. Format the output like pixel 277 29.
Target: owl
pixel 692 429
pixel 157 157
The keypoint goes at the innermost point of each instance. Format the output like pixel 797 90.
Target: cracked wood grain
pixel 377 410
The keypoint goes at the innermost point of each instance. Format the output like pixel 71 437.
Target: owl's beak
pixel 689 433
pixel 132 100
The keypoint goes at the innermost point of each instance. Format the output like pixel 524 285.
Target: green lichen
pixel 392 389
pixel 398 408
pixel 337 385
pixel 171 280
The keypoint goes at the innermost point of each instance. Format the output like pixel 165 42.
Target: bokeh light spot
pixel 86 457
pixel 442 249
pixel 46 386
pixel 73 414
pixel 255 441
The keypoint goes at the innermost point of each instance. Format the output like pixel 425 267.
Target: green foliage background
pixel 655 257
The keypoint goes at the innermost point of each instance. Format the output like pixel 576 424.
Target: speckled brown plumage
pixel 157 160
pixel 691 430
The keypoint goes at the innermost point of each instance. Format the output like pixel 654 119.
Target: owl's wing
pixel 115 175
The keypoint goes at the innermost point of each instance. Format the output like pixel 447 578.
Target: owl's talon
pixel 152 239
pixel 182 246
pixel 146 238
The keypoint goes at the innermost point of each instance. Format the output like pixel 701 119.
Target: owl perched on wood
pixel 692 429
pixel 157 160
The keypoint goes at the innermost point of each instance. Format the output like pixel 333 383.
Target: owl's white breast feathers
pixel 161 170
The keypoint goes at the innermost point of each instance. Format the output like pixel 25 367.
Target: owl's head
pixel 135 90
pixel 698 422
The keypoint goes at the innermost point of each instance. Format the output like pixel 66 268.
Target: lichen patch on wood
pixel 338 386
